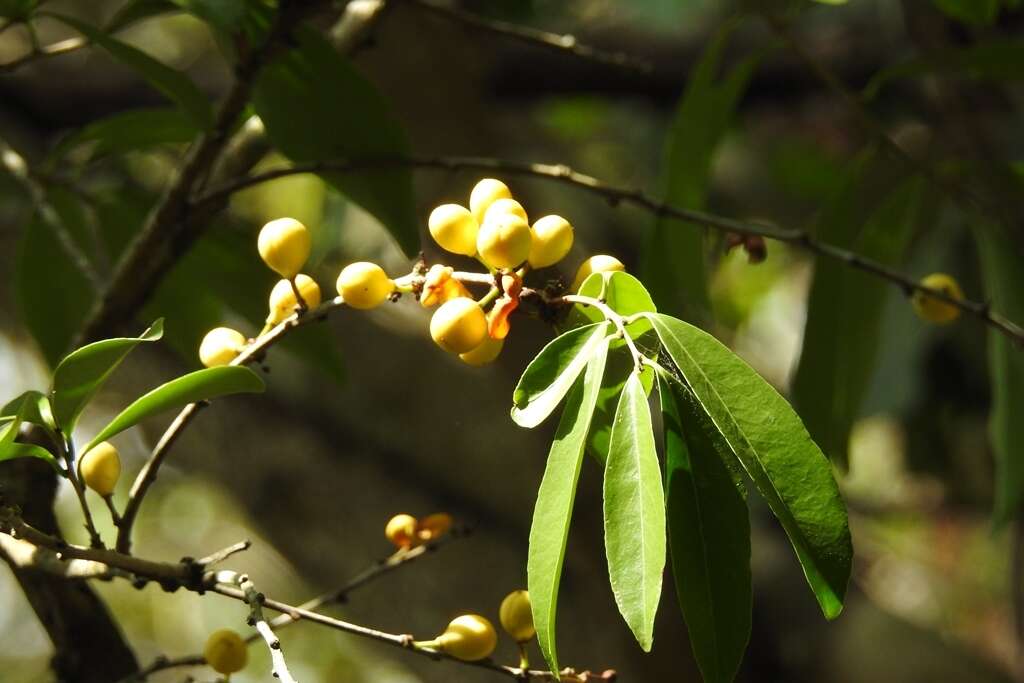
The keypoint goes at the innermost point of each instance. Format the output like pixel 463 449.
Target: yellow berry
pixel 282 297
pixel 485 193
pixel 401 530
pixel 506 205
pixel 516 616
pixel 600 263
pixel 935 310
pixel 100 468
pixel 220 346
pixel 364 285
pixel 454 228
pixel 433 526
pixel 469 637
pixel 504 240
pixel 226 651
pixel 483 354
pixel 552 240
pixel 458 325
pixel 284 246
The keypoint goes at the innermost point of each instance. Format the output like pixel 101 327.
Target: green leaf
pixel 82 372
pixel 634 513
pixel 28 407
pixel 708 534
pixel 174 84
pixel 972 12
pixel 138 10
pixel 200 385
pixel 19 10
pixel 14 449
pixel 555 498
pixel 1004 289
pixel 617 370
pixel 317 107
pixel 623 293
pixel 129 131
pixel 552 373
pixel 786 466
pixel 844 313
pixel 673 263
pixel 34 406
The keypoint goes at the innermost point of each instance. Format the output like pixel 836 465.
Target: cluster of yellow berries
pixel 934 310
pixel 471 637
pixel 405 531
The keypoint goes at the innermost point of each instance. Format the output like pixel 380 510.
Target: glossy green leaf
pixel 617 370
pixel 316 106
pixel 200 385
pixel 34 407
pixel 1004 289
pixel 622 293
pixel 28 407
pixel 128 131
pixel 972 12
pixel 708 534
pixel 82 372
pixel 775 450
pixel 552 512
pixel 550 375
pixel 673 263
pixel 174 84
pixel 634 513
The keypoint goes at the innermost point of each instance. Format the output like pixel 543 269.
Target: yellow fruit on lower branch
pixel 552 240
pixel 459 325
pixel 485 193
pixel 601 263
pixel 364 285
pixel 226 651
pixel 502 206
pixel 100 468
pixel 483 354
pixel 935 310
pixel 220 346
pixel 454 228
pixel 504 241
pixel 469 637
pixel 282 297
pixel 516 616
pixel 401 530
pixel 284 246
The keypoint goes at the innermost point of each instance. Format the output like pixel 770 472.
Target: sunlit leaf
pixel 128 131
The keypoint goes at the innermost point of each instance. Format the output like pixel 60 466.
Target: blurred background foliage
pixel 365 418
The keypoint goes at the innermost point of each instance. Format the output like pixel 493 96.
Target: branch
pixel 255 599
pixel 616 195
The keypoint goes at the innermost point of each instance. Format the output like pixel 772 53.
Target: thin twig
pixel 162 664
pixel 223 554
pixel 616 195
pixel 68 454
pixel 255 599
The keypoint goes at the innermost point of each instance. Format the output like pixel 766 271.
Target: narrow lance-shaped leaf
pixel 786 466
pixel 196 386
pixel 708 534
pixel 25 408
pixel 553 510
pixel 82 372
pixel 634 513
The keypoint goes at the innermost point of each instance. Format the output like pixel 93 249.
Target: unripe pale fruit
pixel 501 206
pixel 284 246
pixel 454 228
pixel 552 240
pixel 601 263
pixel 459 325
pixel 504 241
pixel 433 526
pixel 401 530
pixel 935 310
pixel 516 616
pixel 100 468
pixel 469 638
pixel 220 346
pixel 483 354
pixel 485 193
pixel 226 651
pixel 282 297
pixel 364 285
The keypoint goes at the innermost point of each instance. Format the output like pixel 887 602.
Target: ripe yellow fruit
pixel 516 616
pixel 282 297
pixel 483 354
pixel 485 193
pixel 552 240
pixel 454 228
pixel 364 285
pixel 601 263
pixel 220 346
pixel 225 651
pixel 433 526
pixel 504 240
pixel 401 530
pixel 284 246
pixel 469 637
pixel 100 468
pixel 458 325
pixel 935 310
pixel 506 205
